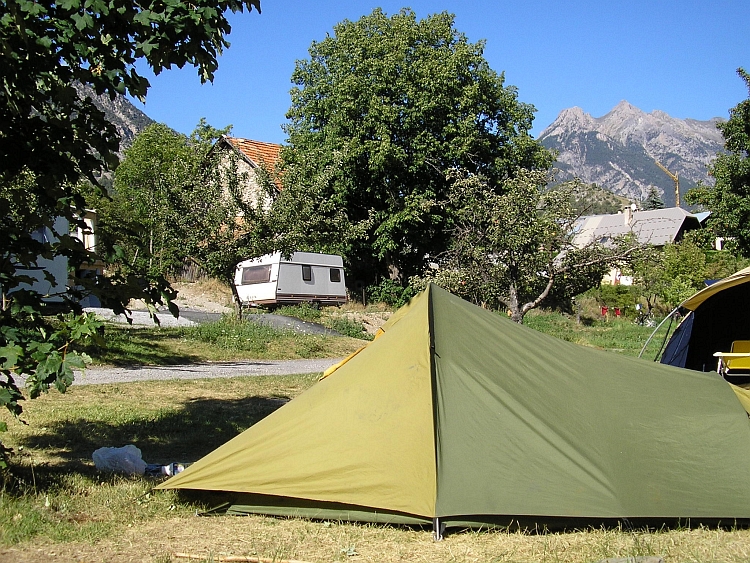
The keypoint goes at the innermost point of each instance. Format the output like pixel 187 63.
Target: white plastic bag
pixel 126 459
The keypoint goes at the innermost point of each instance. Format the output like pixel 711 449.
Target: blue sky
pixel 676 56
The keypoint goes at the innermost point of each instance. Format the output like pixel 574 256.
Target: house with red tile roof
pixel 252 157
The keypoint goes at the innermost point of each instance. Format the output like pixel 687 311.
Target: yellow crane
pixel 675 179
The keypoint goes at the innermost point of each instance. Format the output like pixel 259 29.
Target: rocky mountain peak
pixel 624 110
pixel 569 120
pixel 127 118
pixel 619 150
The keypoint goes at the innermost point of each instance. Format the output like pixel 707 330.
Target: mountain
pixel 127 118
pixel 618 151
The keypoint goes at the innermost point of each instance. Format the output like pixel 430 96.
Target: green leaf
pixel 9 356
pixel 82 21
pixel 6 396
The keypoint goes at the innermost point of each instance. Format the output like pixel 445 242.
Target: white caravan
pixel 305 277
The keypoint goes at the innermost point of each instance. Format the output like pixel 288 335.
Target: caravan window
pixel 256 274
pixel 306 273
pixel 335 275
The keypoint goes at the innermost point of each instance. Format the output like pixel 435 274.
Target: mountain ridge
pixel 618 150
pixel 127 119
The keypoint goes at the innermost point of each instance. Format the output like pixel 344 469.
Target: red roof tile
pixel 266 154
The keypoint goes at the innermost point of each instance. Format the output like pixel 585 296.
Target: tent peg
pixel 438 529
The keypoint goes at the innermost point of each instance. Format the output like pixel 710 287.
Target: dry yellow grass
pixel 82 516
pixel 158 539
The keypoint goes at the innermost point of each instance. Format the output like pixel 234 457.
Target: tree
pixel 147 199
pixel 671 274
pixel 653 200
pixel 381 109
pixel 52 138
pixel 176 201
pixel 161 198
pixel 512 246
pixel 729 198
pixel 223 224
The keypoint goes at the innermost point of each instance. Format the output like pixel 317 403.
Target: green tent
pixel 457 416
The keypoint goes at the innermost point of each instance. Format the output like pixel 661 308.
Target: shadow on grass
pixel 134 346
pixel 183 435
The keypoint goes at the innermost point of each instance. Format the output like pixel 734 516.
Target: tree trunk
pixel 394 272
pixel 236 301
pixel 516 311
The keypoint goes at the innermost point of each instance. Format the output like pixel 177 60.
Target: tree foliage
pixel 148 204
pixel 51 139
pixel 729 198
pixel 653 200
pixel 669 275
pixel 380 110
pixel 225 224
pixel 48 45
pixel 513 247
pixel 176 201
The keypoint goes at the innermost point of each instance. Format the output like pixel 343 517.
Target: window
pixel 306 273
pixel 335 275
pixel 256 274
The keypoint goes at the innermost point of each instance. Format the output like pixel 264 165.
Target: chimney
pixel 627 213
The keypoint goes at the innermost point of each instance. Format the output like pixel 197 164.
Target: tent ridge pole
pixel 669 316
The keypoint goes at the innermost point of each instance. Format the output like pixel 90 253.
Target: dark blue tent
pixel 718 315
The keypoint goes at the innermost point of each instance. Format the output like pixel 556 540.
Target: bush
pixel 348 328
pixel 390 292
pixel 304 312
pixel 622 297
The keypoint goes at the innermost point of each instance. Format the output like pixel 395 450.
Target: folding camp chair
pixel 736 361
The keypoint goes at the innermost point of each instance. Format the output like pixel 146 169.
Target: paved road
pixel 93 376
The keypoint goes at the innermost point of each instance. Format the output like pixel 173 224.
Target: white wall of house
pixel 54 289
pixel 251 187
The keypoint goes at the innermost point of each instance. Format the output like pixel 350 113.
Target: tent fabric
pixel 738 278
pixel 720 314
pixel 676 350
pixel 459 414
pixel 350 439
pixel 743 395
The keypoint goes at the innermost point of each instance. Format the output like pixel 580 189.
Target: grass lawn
pixel 224 340
pixel 58 507
pixel 62 509
pixel 616 335
pixel 229 340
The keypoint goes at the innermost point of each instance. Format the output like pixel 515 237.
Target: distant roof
pixel 702 216
pixel 657 226
pixel 257 152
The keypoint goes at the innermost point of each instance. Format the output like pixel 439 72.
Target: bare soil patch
pixel 210 296
pixel 371 321
pixel 207 295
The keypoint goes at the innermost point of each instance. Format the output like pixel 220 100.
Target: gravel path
pixel 93 376
pixel 192 317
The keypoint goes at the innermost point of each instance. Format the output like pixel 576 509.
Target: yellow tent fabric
pixel 743 395
pixel 374 430
pixel 743 276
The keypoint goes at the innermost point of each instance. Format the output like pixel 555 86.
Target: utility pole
pixel 675 179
